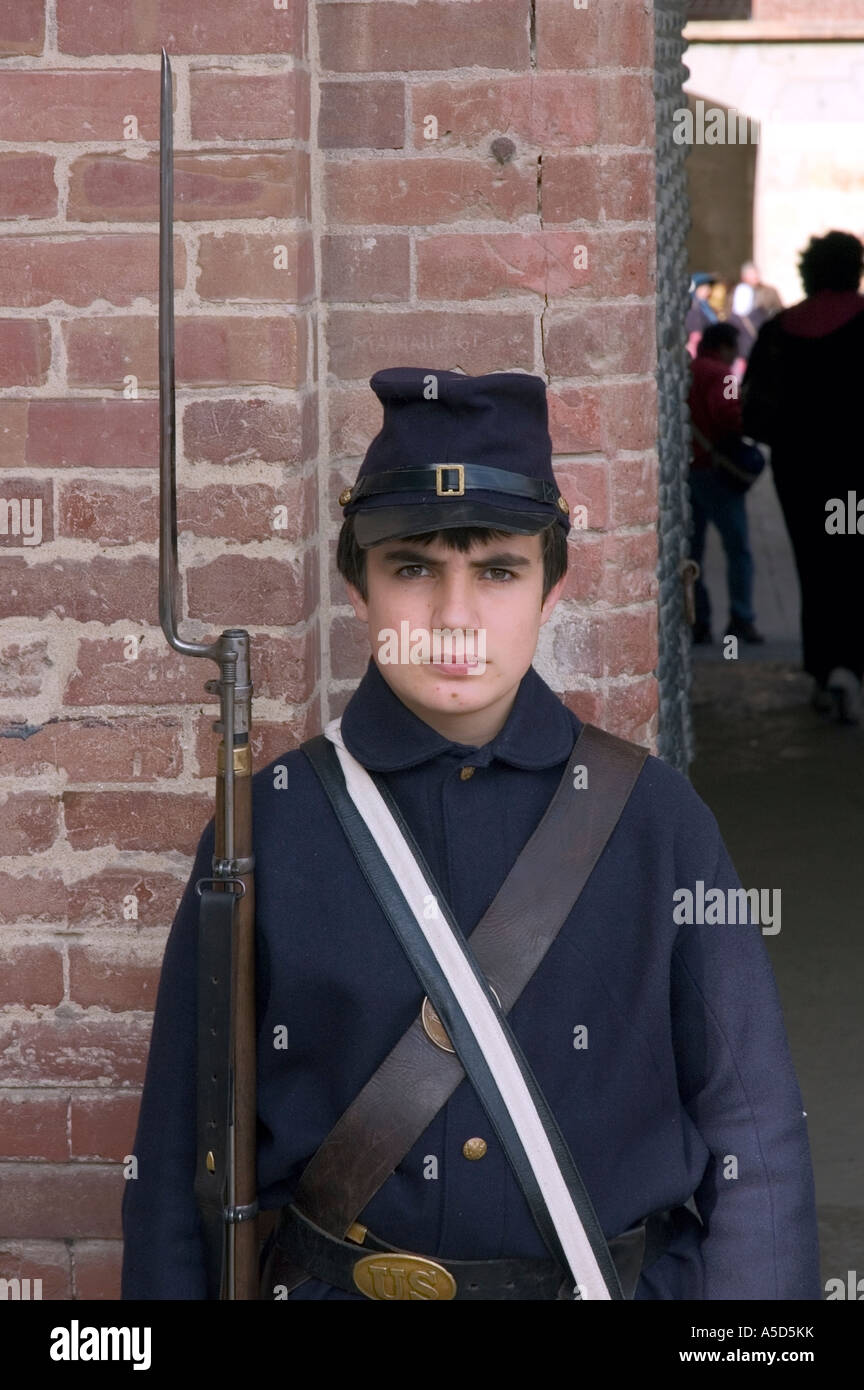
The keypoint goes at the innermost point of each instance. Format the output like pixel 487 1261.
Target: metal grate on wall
pixel 674 673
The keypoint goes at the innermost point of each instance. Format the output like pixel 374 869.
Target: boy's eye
pixel 493 569
pixel 405 568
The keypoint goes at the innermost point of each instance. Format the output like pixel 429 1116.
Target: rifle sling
pixel 416 1079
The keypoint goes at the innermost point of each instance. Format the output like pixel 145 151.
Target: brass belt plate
pixel 434 1028
pixel 398 1277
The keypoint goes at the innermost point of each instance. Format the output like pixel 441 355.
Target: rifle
pixel 225 1177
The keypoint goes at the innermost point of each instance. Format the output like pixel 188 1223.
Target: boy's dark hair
pixel 351 558
pixel 831 262
pixel 717 335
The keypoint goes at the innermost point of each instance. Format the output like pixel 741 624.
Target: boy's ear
pixel 358 603
pixel 551 599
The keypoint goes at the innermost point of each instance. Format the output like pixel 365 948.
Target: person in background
pixel 716 418
pixel 802 395
pixel 752 304
pixel 701 313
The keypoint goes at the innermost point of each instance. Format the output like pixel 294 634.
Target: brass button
pixel 466 772
pixel 474 1148
pixel 562 503
pixel 344 497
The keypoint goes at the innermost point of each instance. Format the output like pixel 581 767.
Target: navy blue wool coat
pixel 686 1066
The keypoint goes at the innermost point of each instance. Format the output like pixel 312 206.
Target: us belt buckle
pixel 398 1277
pixel 441 490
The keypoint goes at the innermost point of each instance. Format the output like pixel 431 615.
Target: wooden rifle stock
pixel 225 1182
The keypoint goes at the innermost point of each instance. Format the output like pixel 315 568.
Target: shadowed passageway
pixel 788 791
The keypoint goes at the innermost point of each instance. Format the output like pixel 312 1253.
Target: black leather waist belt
pixel 370 1266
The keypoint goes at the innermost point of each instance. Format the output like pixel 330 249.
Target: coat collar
pixel 385 736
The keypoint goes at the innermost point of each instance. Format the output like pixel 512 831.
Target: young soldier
pixel 652 1048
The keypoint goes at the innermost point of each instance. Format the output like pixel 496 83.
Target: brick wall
pixel 319 235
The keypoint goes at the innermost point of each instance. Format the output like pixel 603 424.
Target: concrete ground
pixel 787 788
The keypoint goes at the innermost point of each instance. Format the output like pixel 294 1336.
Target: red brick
pixel 286 667
pixel 93 433
pixel 29 822
pixel 101 26
pixel 84 105
pixel 13 431
pixel 101 899
pixel 23 26
pixel 98 590
pixel 281 669
pixel 631 565
pixel 107 513
pixel 575 419
pixel 355 418
pixel 27 189
pixel 338 700
pixel 249 513
pixel 231 431
pixel 384 37
pixel 244 265
pixel 372 269
pixel 626 109
pixel 73 1046
pixel 119 267
pixel 585 483
pixel 145 820
pixel 627 186
pixel 349 648
pixel 249 106
pixel 427 189
pixel 615 34
pixel 633 500
pixel 32 898
pixel 25 351
pixel 119 976
pixel 26 512
pixel 105 187
pixel 627 260
pixel 357 115
pixel 209 351
pixel 238 588
pixel 628 414
pixel 588 705
pixel 620 642
pixel 115 750
pixel 360 345
pixel 601 340
pixel 537 110
pixel 472 266
pixel 631 710
pixel 98 1266
pixel 33 974
pixel 68 1199
pixel 39 1259
pixel 586 568
pixel 33 1126
pixel 103 1126
pixel 157 676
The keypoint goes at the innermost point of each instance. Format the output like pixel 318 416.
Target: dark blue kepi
pixel 456 450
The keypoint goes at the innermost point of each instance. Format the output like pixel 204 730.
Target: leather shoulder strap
pixel 416 1078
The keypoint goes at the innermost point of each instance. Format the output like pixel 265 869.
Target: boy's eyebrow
pixel 501 559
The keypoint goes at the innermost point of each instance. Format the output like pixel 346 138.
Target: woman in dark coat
pixel 802 394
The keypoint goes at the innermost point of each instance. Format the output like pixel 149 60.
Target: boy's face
pixel 491 594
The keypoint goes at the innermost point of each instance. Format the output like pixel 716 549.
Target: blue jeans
pixel 713 499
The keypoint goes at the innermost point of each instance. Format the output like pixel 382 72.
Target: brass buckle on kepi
pixel 459 470
pixel 400 1277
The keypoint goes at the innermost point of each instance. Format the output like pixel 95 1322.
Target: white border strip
pixel 480 1018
